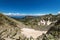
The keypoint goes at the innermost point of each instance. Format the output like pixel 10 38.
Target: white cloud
pixel 23 14
pixel 11 13
pixel 59 12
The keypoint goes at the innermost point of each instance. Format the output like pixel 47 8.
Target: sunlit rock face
pixel 43 22
pixel 31 32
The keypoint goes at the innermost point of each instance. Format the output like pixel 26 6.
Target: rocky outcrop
pixel 54 32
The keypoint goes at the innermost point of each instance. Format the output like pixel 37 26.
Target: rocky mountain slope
pixel 53 29
pixel 54 32
pixel 35 28
pixel 10 28
pixel 39 22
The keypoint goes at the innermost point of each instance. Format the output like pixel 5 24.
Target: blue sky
pixel 30 6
